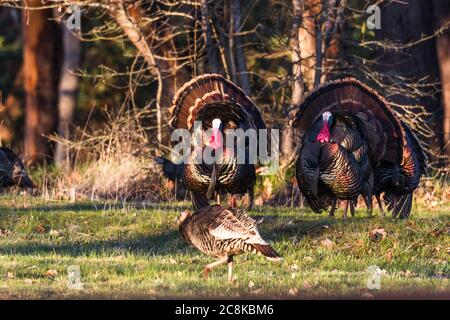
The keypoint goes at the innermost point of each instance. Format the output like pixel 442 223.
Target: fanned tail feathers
pixel 400 208
pixel 214 95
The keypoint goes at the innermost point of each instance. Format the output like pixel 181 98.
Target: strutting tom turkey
pixel 220 105
pixel 12 170
pixel 353 143
pixel 223 233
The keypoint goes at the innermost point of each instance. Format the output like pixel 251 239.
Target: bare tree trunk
pixel 134 33
pixel 319 21
pixel 297 83
pixel 213 62
pixel 442 14
pixel 289 138
pixel 405 22
pixel 153 41
pixel 68 91
pixel 237 45
pixel 307 38
pixel 320 38
pixel 41 75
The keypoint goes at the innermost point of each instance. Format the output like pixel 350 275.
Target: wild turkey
pixel 219 104
pixel 12 170
pixel 399 181
pixel 223 233
pixel 355 145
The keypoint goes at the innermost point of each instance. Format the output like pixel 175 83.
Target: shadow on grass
pixel 96 207
pixel 165 243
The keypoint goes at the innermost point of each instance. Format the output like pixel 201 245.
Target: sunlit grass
pixel 134 250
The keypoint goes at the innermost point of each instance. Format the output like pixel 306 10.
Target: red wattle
pixel 215 141
pixel 324 134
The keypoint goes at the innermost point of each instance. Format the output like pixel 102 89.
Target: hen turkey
pixel 355 145
pixel 223 233
pixel 12 170
pixel 219 105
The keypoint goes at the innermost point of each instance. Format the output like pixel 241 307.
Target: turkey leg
pixel 210 266
pixel 333 208
pixel 230 269
pixel 345 209
pixel 352 208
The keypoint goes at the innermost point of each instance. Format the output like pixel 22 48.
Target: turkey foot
pixel 210 266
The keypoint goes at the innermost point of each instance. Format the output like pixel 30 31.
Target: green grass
pixel 135 251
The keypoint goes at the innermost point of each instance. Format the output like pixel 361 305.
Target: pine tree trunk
pixel 41 75
pixel 442 14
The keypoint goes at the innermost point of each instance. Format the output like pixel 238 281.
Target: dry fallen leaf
pixel 437 232
pixel 251 284
pixel 307 284
pixel 294 267
pixel 293 291
pixel 367 295
pixel 377 234
pixel 55 233
pixel 327 243
pixel 51 273
pixel 41 229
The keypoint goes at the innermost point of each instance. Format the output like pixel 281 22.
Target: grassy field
pixel 135 251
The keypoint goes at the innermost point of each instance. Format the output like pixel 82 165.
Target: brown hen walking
pixel 223 233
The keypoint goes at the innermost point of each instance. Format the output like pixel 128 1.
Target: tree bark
pixel 289 137
pixel 442 14
pixel 403 23
pixel 167 72
pixel 307 39
pixel 131 28
pixel 41 75
pixel 320 39
pixel 68 91
pixel 236 45
pixel 213 62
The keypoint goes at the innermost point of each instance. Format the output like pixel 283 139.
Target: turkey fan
pixel 355 145
pixel 219 104
pixel 398 181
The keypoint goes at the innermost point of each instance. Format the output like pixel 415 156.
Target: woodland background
pixel 88 109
